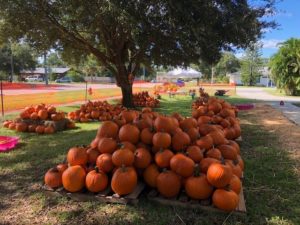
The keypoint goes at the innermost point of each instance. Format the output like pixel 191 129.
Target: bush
pixel 75 76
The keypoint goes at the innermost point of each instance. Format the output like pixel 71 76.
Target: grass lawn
pixel 271 186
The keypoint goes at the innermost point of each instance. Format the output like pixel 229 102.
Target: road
pixel 260 94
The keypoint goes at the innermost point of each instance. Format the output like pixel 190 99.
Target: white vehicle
pixel 35 78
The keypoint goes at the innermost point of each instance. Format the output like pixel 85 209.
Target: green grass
pixel 271 188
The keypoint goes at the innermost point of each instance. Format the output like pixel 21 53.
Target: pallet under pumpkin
pixel 106 196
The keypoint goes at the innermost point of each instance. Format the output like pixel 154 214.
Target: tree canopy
pixel 285 67
pixel 123 34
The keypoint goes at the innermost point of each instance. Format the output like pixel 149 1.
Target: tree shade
pixel 123 34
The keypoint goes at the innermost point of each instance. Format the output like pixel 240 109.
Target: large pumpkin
pixel 96 181
pixel 182 165
pixel 161 140
pixel 142 158
pixel 73 178
pixel 124 180
pixel 107 145
pixel 108 129
pixel 163 157
pixel 147 135
pixel 104 162
pixel 168 184
pixel 195 153
pixel 77 156
pixel 219 175
pixel 180 141
pixel 53 178
pixel 150 175
pixel 226 200
pixel 197 187
pixel 122 157
pixel 129 133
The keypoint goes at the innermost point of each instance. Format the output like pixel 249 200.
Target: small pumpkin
pixel 214 153
pixel 108 129
pixel 124 180
pixel 96 180
pixel 31 128
pixel 53 178
pixel 73 178
pixel 168 184
pixel 161 140
pixel 228 152
pixel 206 162
pixel 147 135
pixel 104 162
pixel 40 129
pixel 21 127
pixel 12 126
pixel 123 156
pixel 182 165
pixel 92 155
pixel 180 141
pixel 235 184
pixel 49 130
pixel 128 145
pixel 150 175
pixel 43 114
pixel 129 133
pixel 163 157
pixel 195 153
pixel 219 175
pixel 34 116
pixel 226 200
pixel 205 142
pixel 77 156
pixel 142 158
pixel 107 145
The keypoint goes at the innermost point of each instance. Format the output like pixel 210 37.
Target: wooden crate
pixel 57 125
pixel 106 196
pixel 182 200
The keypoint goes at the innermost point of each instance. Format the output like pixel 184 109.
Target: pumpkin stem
pixel 96 169
pixel 123 167
pixel 197 170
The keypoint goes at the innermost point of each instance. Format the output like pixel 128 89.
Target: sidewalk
pixel 289 110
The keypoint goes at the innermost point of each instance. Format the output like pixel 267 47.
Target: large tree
pixel 252 64
pixel 123 34
pixel 228 63
pixel 285 67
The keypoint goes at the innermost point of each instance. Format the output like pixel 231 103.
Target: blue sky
pixel 288 18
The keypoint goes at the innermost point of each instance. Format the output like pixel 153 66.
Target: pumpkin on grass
pixel 96 180
pixel 40 129
pixel 235 184
pixel 197 187
pixel 21 127
pixel 77 156
pixel 226 200
pixel 150 174
pixel 73 178
pixel 108 129
pixel 49 130
pixel 168 184
pixel 124 180
pixel 53 178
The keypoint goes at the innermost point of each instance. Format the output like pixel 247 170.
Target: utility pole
pixel 212 75
pixel 45 67
pixel 11 63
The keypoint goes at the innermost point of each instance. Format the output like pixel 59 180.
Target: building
pixel 264 79
pixel 40 72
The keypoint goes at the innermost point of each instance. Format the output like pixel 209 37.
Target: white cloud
pixel 271 43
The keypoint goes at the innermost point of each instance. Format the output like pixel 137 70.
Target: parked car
pixel 64 80
pixel 34 79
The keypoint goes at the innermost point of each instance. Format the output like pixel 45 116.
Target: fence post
pixel 2 105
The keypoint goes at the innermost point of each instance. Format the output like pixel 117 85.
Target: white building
pixel 264 79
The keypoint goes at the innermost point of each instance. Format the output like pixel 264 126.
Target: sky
pixel 287 16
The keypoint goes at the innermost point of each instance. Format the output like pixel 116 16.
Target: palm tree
pixel 285 67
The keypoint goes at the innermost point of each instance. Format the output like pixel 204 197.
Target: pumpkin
pixel 40 129
pixel 96 180
pixel 34 116
pixel 241 162
pixel 31 128
pixel 147 135
pixel 24 115
pixel 180 141
pixel 195 153
pixel 236 169
pixel 62 167
pixel 128 145
pixel 161 140
pixel 21 127
pixel 73 178
pixel 188 123
pixel 163 157
pixel 92 154
pixel 235 184
pixel 142 158
pixel 150 175
pixel 70 125
pixel 128 115
pixel 214 153
pixel 53 178
pixel 218 137
pixel 228 152
pixel 225 123
pixel 6 123
pixel 12 126
pixel 197 186
pixel 77 156
pixel 164 124
pixel 216 107
pixel 204 120
pixel 95 114
pixel 205 142
pixel 193 133
pixel 107 145
pixel 43 114
pixel 56 116
pixel 108 129
pixel 51 109
pixel 168 184
pixel 123 156
pixel 124 180
pixel 49 130
pixel 235 145
pixel 129 133
pixel 206 162
pixel 182 165
pixel 104 162
pixel 225 199
pixel 219 175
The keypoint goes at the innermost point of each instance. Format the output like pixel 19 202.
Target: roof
pixel 41 70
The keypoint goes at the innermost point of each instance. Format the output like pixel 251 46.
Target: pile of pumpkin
pixel 96 110
pixel 143 99
pixel 169 153
pixel 32 119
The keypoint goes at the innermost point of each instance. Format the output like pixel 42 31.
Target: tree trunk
pixel 127 95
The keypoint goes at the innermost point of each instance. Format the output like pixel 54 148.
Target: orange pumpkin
pixel 228 152
pixel 21 127
pixel 40 129
pixel 182 165
pixel 219 175
pixel 142 158
pixel 225 199
pixel 195 153
pixel 180 141
pixel 147 135
pixel 161 140
pixel 129 133
pixel 205 142
pixel 197 187
pixel 34 116
pixel 235 184
pixel 214 153
pixel 92 154
pixel 124 180
pixel 49 130
pixel 104 162
pixel 163 157
pixel 96 181
pixel 150 175
pixel 77 156
pixel 168 184
pixel 107 145
pixel 206 162
pixel 123 156
pixel 73 178
pixel 31 128
pixel 43 114
pixel 108 129
pixel 53 178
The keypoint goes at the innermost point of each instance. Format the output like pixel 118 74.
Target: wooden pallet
pixel 239 139
pixel 106 196
pixel 182 200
